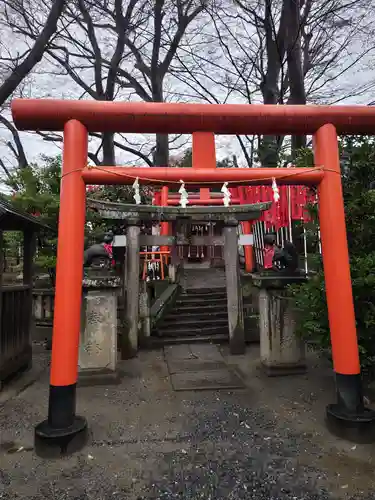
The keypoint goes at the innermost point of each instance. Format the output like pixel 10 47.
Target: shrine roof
pixel 14 219
pixel 230 214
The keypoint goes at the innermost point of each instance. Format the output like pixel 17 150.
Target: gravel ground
pixel 149 442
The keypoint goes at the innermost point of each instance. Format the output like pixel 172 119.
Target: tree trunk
pixel 109 157
pixel 269 147
pixel 294 61
pixel 161 153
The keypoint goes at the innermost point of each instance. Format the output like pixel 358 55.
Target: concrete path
pixel 266 441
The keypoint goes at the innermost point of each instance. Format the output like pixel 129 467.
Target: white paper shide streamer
pixel 275 189
pixel 136 196
pixel 226 193
pixel 184 195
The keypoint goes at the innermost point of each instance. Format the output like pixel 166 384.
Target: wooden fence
pixel 15 342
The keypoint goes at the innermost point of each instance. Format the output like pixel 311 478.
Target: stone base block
pixel 251 327
pixel 98 377
pixel 283 370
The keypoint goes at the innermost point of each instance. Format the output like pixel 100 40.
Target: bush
pixel 37 191
pixel 358 174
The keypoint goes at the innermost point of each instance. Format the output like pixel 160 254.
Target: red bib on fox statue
pixel 268 254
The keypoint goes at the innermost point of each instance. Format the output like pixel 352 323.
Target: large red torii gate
pixel 78 118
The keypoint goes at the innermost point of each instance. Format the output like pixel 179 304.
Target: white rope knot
pixel 184 195
pixel 227 194
pixel 136 196
pixel 275 189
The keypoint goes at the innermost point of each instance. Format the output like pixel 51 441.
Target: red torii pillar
pixel 246 229
pixel 64 431
pixel 348 417
pixel 204 156
pixel 164 226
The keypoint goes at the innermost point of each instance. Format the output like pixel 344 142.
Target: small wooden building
pixel 16 299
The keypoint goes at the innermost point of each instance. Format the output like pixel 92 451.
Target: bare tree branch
pixel 18 151
pixel 35 55
pixel 49 137
pixel 9 175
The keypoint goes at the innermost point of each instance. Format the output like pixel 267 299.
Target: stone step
pixel 170 323
pixel 197 314
pixel 181 301
pixel 155 341
pixel 217 339
pixel 186 331
pixel 199 308
pixel 213 293
pixel 206 291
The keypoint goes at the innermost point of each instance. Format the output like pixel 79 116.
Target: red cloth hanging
pixel 284 221
pixel 157 198
pixel 249 194
pixel 234 191
pixel 311 200
pixel 301 202
pixel 278 214
pixel 267 214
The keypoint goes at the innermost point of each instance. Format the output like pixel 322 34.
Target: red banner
pixel 293 199
pixel 292 204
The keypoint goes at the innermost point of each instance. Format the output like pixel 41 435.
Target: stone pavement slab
pixel 199 367
pixel 191 357
pixel 206 379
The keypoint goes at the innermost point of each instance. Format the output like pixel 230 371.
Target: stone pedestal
pixel 282 352
pixel 98 343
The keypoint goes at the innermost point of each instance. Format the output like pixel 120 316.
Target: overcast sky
pixel 44 82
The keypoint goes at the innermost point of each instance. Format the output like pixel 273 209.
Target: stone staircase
pixel 199 315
